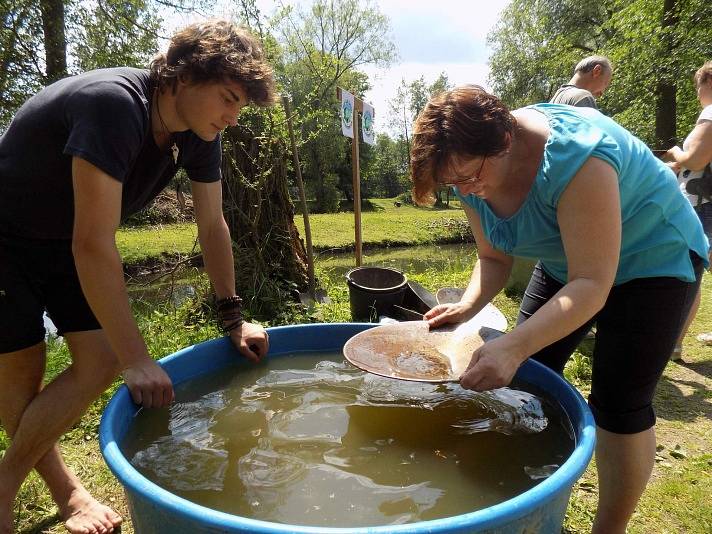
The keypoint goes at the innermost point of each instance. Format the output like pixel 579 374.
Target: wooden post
pixel 356 178
pixel 302 197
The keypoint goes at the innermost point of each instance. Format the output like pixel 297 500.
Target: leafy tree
pixel 323 46
pixel 409 101
pixel 115 33
pixel 385 175
pixel 402 118
pixel 652 91
pixel 655 46
pixel 22 72
pixel 537 43
pixel 47 40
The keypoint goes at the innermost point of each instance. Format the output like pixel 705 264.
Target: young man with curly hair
pixel 78 158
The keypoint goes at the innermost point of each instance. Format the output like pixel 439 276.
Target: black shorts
pixel 38 275
pixel 636 331
pixel 704 212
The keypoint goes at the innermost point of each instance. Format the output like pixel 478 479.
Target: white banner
pixel 367 124
pixel 347 114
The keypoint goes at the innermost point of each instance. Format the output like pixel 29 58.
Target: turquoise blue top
pixel 659 224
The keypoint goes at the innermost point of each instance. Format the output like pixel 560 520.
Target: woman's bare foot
pixel 83 514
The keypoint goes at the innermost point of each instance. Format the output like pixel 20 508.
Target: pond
pixel 152 289
pixel 413 261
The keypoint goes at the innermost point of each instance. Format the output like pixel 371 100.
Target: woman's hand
pixel 448 313
pixel 251 340
pixel 493 365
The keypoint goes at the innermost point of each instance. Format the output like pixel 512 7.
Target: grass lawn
pixel 145 244
pixel 387 225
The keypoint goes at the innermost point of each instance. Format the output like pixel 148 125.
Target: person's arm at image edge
pixel 699 148
pixel 97 211
pixel 216 246
pixel 590 222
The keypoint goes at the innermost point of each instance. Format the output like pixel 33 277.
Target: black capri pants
pixel 636 331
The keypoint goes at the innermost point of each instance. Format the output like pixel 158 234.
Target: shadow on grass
pixel 674 403
pixel 366 205
pixel 43 525
pixel 49 522
pixel 703 368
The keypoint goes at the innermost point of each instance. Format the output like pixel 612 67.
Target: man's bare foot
pixel 83 514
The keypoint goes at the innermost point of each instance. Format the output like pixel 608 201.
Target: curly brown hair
pixel 466 122
pixel 703 74
pixel 216 51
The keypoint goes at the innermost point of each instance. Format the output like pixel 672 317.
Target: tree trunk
pixel 270 259
pixel 665 93
pixel 55 41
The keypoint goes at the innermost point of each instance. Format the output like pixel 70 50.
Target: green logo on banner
pixel 368 123
pixel 347 113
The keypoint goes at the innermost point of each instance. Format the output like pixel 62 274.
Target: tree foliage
pixel 322 47
pixel 115 32
pixel 22 72
pixel 655 46
pixel 44 41
pixel 385 173
pixel 408 102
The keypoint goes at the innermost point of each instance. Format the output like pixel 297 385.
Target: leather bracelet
pixel 229 313
pixel 233 326
pixel 229 303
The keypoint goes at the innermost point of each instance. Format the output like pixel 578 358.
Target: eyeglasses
pixel 462 181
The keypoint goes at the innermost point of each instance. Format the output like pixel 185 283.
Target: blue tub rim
pixel 515 508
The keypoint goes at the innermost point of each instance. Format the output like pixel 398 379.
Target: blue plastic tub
pixel 155 510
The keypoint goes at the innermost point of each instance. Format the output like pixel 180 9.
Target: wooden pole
pixel 302 196
pixel 356 178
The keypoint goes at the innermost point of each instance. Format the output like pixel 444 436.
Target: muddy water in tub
pixel 310 440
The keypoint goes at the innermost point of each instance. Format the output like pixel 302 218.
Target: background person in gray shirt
pixel 591 78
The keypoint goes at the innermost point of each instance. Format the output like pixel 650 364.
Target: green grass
pixel 386 225
pixel 148 244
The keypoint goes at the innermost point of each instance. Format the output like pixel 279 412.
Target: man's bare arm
pixel 97 211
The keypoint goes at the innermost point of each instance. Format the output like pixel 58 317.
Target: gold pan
pixel 410 351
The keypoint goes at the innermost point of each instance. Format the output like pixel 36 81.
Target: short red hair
pixel 466 121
